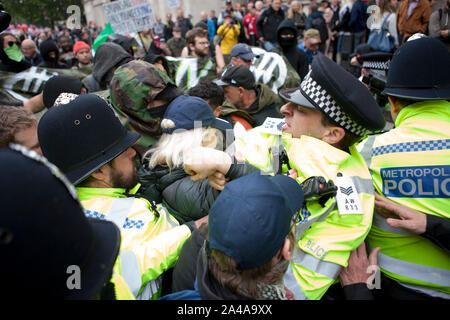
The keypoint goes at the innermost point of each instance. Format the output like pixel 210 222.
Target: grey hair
pixel 170 148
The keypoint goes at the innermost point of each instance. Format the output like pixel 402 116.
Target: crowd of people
pixel 129 186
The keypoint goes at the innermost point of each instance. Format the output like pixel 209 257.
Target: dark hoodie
pixel 107 56
pixel 45 48
pixel 289 48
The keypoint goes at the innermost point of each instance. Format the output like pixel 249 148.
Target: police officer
pixel 87 141
pixel 410 166
pixel 324 118
pixel 49 248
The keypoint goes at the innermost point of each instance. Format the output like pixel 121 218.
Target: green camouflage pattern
pixel 136 84
pixel 133 86
pixel 24 85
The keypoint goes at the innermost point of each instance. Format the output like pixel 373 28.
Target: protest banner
pixel 128 16
pixel 173 4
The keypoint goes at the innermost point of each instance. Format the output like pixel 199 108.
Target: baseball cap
pixel 242 50
pixel 312 34
pixel 185 110
pixel 251 218
pixel 238 76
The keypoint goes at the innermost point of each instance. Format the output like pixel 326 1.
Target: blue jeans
pixel 268 45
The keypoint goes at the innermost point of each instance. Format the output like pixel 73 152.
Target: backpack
pixel 319 24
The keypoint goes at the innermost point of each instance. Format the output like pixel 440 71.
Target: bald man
pixel 30 52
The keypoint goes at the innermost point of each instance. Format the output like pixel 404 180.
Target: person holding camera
pixel 229 32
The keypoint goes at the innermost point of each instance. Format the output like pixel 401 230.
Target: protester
pixel 188 122
pixel 61 84
pixel 142 110
pixel 159 47
pixel 209 24
pixel 268 23
pixel 357 22
pixel 212 16
pixel 183 23
pixel 158 29
pixel 335 7
pixel 108 184
pixel 229 32
pixel 108 57
pixel 419 107
pixel 66 54
pixel 246 247
pixel 296 14
pixel 50 54
pixel 412 17
pixel 241 55
pixel 317 21
pixel 287 43
pixel 386 18
pixel 310 44
pixel 439 25
pixel 249 23
pixel 18 125
pixel 82 54
pixel 244 97
pixel 211 93
pixel 30 52
pixel 198 46
pixel 229 10
pixel 168 27
pixel 176 43
pixel 12 59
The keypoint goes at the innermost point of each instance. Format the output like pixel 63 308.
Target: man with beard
pixel 176 43
pixel 287 41
pixel 85 139
pixel 199 46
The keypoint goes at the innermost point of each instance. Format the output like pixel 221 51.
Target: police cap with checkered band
pixel 339 95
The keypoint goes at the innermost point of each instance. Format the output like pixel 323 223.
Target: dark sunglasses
pixel 11 43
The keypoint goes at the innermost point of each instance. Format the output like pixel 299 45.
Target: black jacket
pixel 186 270
pixel 45 48
pixel 296 57
pixel 268 22
pixel 9 65
pixel 185 199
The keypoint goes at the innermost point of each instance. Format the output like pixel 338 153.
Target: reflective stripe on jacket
pixel 151 241
pixel 410 165
pixel 324 237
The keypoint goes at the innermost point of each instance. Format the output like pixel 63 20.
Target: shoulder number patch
pixel 347 197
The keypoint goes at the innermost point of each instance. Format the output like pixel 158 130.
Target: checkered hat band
pixel 379 65
pixel 326 103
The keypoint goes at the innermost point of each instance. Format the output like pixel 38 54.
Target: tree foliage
pixel 39 12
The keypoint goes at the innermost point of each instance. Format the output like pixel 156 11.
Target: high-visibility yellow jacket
pixel 151 240
pixel 325 235
pixel 410 165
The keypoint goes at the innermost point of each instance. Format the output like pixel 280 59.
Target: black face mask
pixel 158 112
pixel 287 41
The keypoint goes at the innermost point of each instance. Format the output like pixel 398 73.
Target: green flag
pixel 103 36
